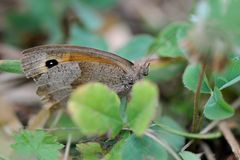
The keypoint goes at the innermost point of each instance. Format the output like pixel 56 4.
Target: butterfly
pixel 58 69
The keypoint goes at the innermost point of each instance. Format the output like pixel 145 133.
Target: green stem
pixel 123 107
pixel 12 66
pixel 190 135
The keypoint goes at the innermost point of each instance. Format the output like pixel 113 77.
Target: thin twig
pixel 59 114
pixel 39 120
pixel 236 103
pixel 208 128
pixel 230 138
pixel 196 110
pixel 67 147
pixel 151 135
pixel 207 151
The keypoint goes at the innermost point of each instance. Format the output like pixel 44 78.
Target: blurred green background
pixel 181 33
pixel 105 24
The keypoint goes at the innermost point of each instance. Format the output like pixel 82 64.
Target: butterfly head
pixel 141 69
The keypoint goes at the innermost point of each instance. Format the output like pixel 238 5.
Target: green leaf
pixel 174 140
pixel 18 26
pixel 142 107
pixel 230 76
pixel 216 107
pixel 12 66
pixel 164 71
pixel 81 37
pixel 90 18
pixel 136 48
pixel 181 35
pixel 115 153
pixel 38 144
pixel 186 155
pixel 191 77
pixel 90 150
pixel 167 43
pixel 65 127
pixel 95 109
pixel 42 10
pixel 103 4
pixel 14 19
pixel 143 148
pixel 65 121
pixel 48 15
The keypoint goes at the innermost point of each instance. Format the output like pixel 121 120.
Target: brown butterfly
pixel 58 69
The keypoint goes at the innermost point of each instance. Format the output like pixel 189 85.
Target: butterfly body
pixel 58 69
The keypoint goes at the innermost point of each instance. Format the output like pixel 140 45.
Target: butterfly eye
pixel 131 82
pixel 50 63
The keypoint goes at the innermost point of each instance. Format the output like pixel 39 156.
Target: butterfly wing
pixel 75 66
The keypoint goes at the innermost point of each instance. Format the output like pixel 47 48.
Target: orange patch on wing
pixel 68 57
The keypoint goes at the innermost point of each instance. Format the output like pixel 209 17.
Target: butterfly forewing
pixel 58 69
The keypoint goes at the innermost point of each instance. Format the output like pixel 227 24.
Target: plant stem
pixel 209 127
pixel 207 151
pixel 213 124
pixel 11 66
pixel 123 108
pixel 231 139
pixel 196 110
pixel 66 154
pixel 151 135
pixel 191 135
